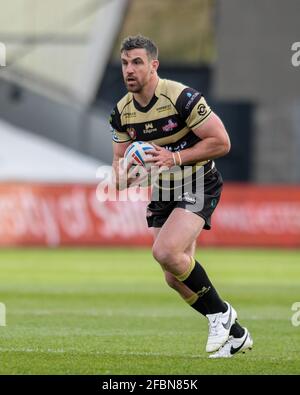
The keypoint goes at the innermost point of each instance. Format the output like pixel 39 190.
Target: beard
pixel 133 86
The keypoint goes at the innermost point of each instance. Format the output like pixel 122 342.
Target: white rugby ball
pixel 136 153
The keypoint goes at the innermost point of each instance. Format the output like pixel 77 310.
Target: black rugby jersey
pixel 167 120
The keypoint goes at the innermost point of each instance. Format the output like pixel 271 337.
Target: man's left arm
pixel 214 142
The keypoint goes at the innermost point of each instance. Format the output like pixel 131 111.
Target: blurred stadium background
pixel 97 310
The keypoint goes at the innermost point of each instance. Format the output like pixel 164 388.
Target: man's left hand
pixel 160 157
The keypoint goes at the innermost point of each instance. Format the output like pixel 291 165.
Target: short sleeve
pixel 119 135
pixel 192 107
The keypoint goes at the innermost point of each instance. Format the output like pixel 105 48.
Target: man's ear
pixel 155 64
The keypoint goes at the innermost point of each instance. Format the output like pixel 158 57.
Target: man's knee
pixel 166 256
pixel 160 253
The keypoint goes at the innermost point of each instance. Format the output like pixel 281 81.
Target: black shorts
pixel 206 199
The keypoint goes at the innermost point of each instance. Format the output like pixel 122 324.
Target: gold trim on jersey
pixel 199 114
pixel 120 137
pixel 201 121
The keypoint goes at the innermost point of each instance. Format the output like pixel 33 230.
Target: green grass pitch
pixel 108 311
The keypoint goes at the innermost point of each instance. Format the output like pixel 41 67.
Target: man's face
pixel 137 69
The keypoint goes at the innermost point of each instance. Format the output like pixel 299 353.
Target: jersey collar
pixel 152 101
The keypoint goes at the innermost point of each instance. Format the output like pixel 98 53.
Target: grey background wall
pixel 254 40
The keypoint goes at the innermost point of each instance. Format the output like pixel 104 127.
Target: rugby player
pixel 184 130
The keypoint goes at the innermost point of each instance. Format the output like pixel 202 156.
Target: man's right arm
pixel 121 140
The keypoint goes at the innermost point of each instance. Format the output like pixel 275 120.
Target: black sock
pixel 196 303
pixel 236 330
pixel 197 280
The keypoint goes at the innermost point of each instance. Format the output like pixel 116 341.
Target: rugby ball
pixel 137 153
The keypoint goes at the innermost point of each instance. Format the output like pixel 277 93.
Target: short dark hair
pixel 139 41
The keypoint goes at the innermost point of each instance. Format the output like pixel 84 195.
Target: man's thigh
pixel 190 250
pixel 180 231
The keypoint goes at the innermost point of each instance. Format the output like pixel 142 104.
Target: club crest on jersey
pixel 169 126
pixel 132 133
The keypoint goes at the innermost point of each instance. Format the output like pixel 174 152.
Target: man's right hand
pixel 125 174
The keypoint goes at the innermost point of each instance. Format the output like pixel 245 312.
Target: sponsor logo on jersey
pixel 169 126
pixel 149 128
pixel 192 98
pixel 129 114
pixel 164 108
pixel 186 197
pixel 177 147
pixel 201 109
